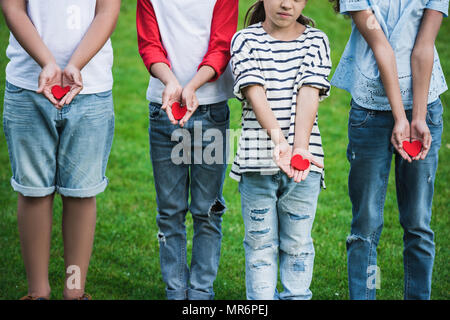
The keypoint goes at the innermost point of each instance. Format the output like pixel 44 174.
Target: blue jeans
pixel 194 173
pixel 62 150
pixel 278 215
pixel 370 154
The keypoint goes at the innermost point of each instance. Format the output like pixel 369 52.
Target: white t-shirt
pixel 186 49
pixel 61 24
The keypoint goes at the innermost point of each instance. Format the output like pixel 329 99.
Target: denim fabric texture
pixel 370 155
pixel 278 214
pixel 63 150
pixel 193 185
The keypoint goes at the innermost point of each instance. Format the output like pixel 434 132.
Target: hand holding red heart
pixel 71 81
pixel 170 96
pixel 282 154
pixel 301 163
pixel 401 132
pixel 421 133
pixel 189 102
pixel 49 77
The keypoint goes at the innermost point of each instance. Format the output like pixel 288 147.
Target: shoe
pixel 28 297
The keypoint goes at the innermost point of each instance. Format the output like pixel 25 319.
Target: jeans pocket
pixel 434 113
pixel 358 117
pixel 10 88
pixel 219 113
pixel 154 111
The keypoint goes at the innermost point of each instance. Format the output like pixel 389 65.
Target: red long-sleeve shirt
pixel 222 28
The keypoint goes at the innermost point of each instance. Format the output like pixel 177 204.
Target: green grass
pixel 125 259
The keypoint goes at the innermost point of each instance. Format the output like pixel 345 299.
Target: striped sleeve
pixel 316 67
pixel 246 69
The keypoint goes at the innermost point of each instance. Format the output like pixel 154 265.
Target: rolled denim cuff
pixel 32 191
pixel 83 193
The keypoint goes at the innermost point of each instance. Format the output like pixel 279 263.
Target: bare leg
pixel 78 225
pixel 34 218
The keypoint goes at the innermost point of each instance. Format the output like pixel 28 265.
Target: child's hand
pixel 50 76
pixel 188 99
pixel 301 175
pixel 421 132
pixel 71 76
pixel 400 133
pixel 282 154
pixel 171 94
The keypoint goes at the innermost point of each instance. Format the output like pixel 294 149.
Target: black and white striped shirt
pixel 282 68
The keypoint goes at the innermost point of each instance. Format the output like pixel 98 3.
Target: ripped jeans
pixel 370 155
pixel 278 215
pixel 174 183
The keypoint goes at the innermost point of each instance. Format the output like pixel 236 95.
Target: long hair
pixel 257 14
pixel 336 5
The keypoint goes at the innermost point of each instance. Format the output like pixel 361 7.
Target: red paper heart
pixel 59 92
pixel 412 148
pixel 297 162
pixel 178 111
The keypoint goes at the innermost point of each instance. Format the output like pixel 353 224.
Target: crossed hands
pixel 186 96
pixel 418 130
pixel 282 156
pixel 52 75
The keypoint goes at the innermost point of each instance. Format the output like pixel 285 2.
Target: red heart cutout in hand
pixel 297 162
pixel 59 92
pixel 412 148
pixel 178 111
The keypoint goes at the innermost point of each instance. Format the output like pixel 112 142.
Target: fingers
pixel 426 145
pixel 397 142
pixel 168 110
pixel 167 107
pixel 191 107
pixel 186 117
pixel 297 175
pixel 67 99
pixel 288 170
pixel 316 162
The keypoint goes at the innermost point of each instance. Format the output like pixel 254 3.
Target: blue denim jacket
pixel 400 20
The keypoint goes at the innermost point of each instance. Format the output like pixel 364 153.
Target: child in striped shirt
pixel 280 64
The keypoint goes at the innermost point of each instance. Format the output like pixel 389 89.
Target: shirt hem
pixel 201 101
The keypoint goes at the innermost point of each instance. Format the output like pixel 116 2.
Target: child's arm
pixel 101 28
pixel 422 59
pixel 15 12
pixel 215 61
pixel 307 106
pixel 154 55
pixel 384 54
pixel 256 96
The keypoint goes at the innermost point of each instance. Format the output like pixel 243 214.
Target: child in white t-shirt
pixel 58 121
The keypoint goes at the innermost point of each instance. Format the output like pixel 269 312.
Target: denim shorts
pixel 58 150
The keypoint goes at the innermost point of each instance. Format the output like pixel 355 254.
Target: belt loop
pixel 204 108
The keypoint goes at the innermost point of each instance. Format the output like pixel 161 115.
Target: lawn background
pixel 125 259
